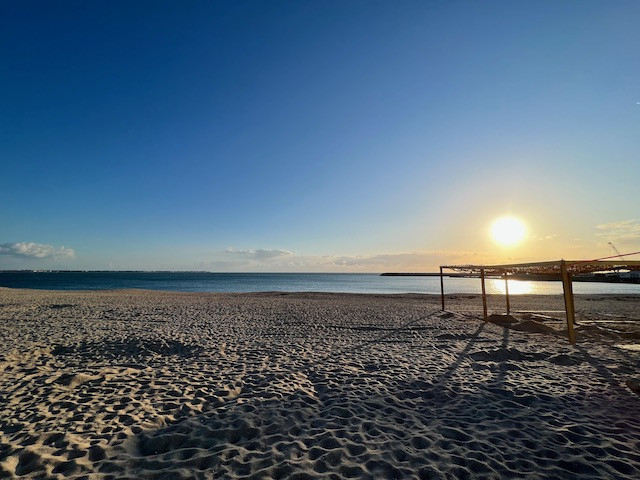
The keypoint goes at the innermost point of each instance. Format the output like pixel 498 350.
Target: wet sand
pixel 145 384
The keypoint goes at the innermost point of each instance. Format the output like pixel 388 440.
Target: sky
pixel 316 136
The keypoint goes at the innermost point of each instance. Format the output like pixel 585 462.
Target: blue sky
pixel 315 136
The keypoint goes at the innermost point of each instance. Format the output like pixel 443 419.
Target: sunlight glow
pixel 508 231
pixel 516 287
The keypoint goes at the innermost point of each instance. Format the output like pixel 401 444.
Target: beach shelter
pixel 562 269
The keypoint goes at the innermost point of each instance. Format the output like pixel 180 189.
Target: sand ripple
pixel 303 386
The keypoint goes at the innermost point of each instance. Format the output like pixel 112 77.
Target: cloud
pixel 280 260
pixel 35 250
pixel 551 236
pixel 404 261
pixel 233 259
pixel 624 231
pixel 260 254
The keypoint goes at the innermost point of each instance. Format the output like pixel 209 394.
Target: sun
pixel 508 231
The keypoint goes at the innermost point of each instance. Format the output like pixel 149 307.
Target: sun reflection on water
pixel 516 287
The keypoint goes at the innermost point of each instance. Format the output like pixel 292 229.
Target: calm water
pixel 286 282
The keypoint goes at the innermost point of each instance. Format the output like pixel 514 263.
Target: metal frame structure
pixel 564 269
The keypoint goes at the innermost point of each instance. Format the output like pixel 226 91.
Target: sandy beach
pixel 145 384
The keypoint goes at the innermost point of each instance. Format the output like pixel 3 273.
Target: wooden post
pixel 441 289
pixel 568 301
pixel 506 290
pixel 573 306
pixel 484 295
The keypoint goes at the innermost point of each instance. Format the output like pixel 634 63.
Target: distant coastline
pixel 105 271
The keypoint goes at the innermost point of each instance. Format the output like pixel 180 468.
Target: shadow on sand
pixel 465 413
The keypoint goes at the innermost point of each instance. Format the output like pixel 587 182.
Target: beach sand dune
pixel 141 384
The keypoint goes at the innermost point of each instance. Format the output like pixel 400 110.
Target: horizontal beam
pixel 551 267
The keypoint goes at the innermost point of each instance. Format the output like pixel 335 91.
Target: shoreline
pixel 318 292
pixel 348 283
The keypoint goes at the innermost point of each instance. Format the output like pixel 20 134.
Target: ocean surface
pixel 287 282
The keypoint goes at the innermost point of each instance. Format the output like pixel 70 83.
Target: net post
pixel 484 295
pixel 441 289
pixel 568 301
pixel 506 290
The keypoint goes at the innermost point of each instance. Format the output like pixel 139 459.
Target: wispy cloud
pixel 36 250
pixel 624 231
pixel 545 237
pixel 404 261
pixel 233 259
pixel 260 254
pixel 283 260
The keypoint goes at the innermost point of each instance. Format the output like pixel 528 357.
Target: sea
pixel 291 282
